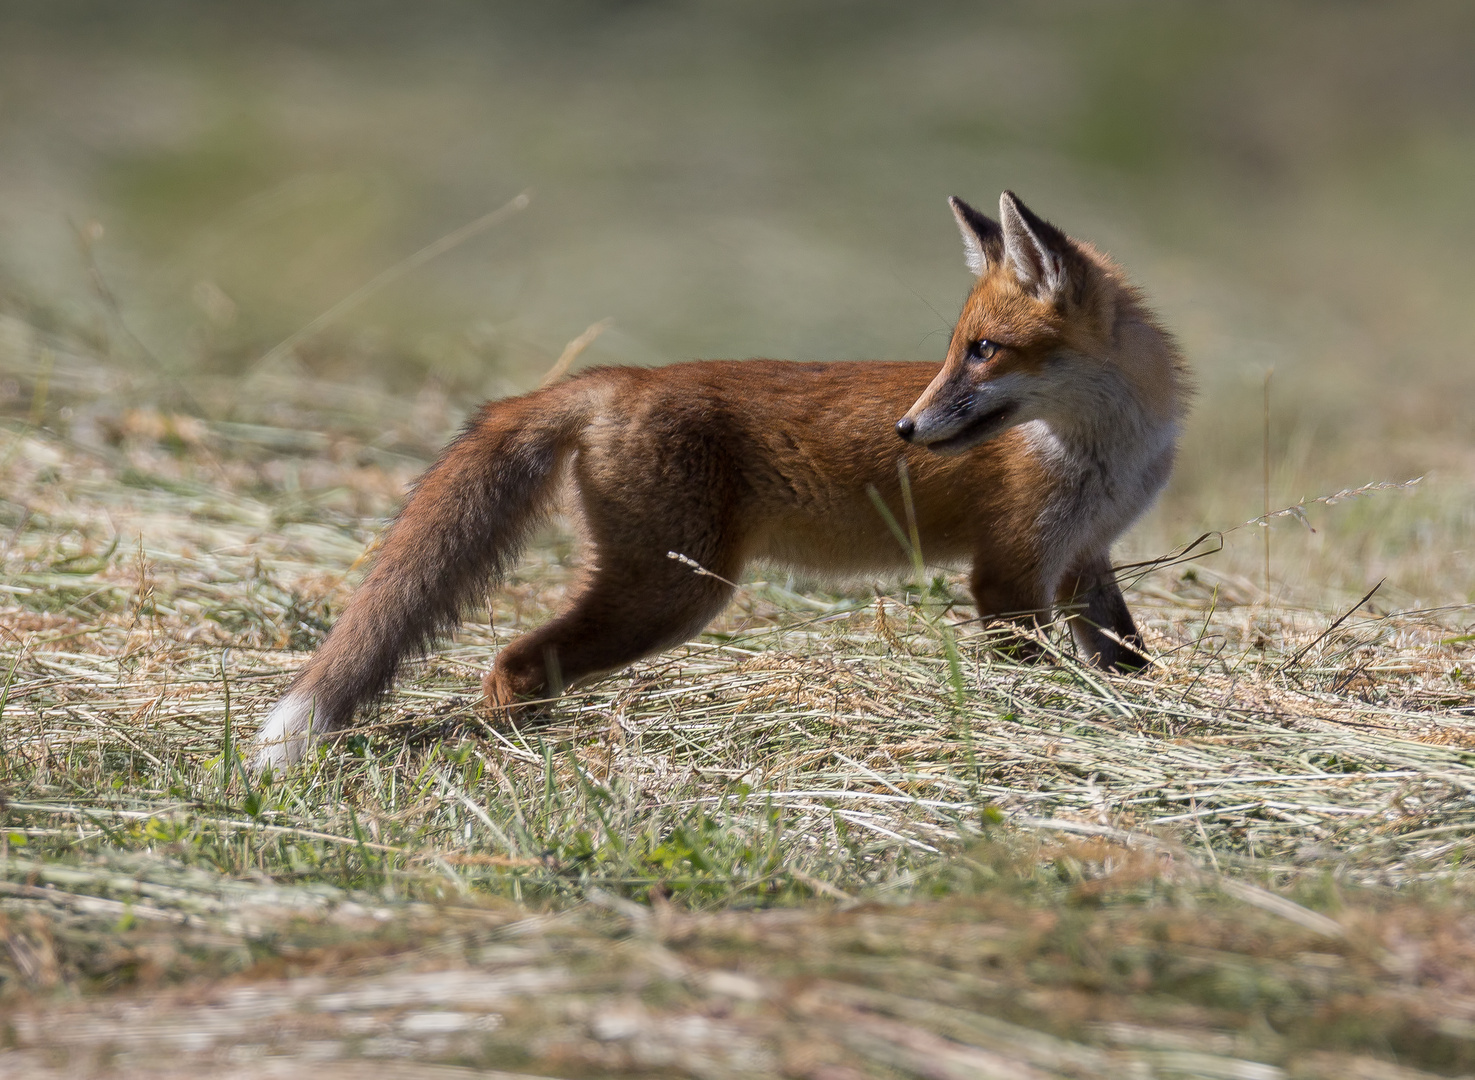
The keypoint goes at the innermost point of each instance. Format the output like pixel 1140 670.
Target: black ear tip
pixel 1010 204
pixel 964 212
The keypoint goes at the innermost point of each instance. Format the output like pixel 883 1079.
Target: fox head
pixel 1035 337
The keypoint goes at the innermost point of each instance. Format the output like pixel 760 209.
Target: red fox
pixel 1050 428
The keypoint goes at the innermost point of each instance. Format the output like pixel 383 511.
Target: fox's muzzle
pixel 951 418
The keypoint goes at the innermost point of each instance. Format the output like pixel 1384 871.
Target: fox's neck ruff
pixel 1108 428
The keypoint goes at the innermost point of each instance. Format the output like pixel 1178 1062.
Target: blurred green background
pixel 1291 182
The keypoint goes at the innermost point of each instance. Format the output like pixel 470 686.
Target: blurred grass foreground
pixel 247 289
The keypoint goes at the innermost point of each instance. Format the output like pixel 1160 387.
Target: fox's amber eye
pixel 983 349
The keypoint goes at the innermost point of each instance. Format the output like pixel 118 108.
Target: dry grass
pixel 166 569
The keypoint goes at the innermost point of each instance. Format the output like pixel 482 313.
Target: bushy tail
pixel 465 521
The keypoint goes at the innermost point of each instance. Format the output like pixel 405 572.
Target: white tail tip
pixel 285 736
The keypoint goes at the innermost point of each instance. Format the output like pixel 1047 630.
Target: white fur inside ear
pixel 283 739
pixel 973 253
pixel 972 249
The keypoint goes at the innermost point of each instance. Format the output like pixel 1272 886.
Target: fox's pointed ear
pixel 1037 251
pixel 983 239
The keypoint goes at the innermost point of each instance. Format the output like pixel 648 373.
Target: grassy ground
pixel 1246 862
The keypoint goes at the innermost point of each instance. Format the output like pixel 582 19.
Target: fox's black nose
pixel 905 428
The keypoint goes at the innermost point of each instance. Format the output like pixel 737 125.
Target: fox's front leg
pixel 1092 602
pixel 1012 602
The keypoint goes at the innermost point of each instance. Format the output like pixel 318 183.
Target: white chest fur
pixel 1103 477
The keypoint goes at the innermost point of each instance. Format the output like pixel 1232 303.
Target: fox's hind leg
pixel 630 606
pixel 1093 602
pixel 646 488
